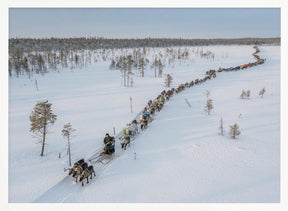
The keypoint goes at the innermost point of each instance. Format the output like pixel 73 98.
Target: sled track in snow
pixel 60 194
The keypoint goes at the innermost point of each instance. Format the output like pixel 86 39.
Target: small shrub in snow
pixel 208 106
pixel 221 127
pixel 245 95
pixel 168 80
pixel 248 94
pixel 234 130
pixel 262 92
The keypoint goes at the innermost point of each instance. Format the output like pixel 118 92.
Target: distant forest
pixel 82 43
pixel 29 56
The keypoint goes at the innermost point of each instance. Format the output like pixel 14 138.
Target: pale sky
pixel 144 22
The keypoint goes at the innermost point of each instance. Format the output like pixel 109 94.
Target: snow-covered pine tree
pixel 40 118
pixel 234 130
pixel 262 92
pixel 66 132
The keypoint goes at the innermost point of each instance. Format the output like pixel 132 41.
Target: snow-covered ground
pixel 181 157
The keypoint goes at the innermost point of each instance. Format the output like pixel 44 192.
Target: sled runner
pixel 103 158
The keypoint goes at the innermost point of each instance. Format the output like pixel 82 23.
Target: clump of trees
pixel 245 94
pixel 41 117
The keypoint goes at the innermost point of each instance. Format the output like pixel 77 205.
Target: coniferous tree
pixel 66 132
pixel 208 106
pixel 234 130
pixel 40 119
pixel 168 80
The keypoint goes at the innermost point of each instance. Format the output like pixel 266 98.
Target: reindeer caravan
pixel 244 66
pixel 80 170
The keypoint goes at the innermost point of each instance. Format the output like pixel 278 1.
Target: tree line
pixel 92 43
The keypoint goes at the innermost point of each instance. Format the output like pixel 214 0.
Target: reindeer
pixel 149 104
pixel 159 106
pixel 88 171
pixel 143 122
pixel 125 141
pixel 132 128
pixel 79 170
pixel 75 165
pixel 152 111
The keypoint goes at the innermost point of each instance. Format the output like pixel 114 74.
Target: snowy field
pixel 180 158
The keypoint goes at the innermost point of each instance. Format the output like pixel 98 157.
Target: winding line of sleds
pixel 244 66
pixel 82 171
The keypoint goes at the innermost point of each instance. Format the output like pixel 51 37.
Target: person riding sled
pixel 109 144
